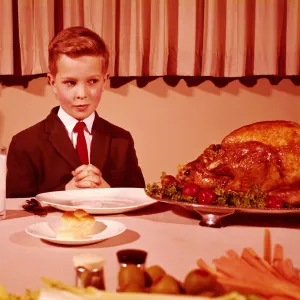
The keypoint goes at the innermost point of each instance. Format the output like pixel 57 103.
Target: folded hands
pixel 86 176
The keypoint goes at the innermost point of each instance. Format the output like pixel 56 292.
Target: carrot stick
pixel 288 271
pixel 250 256
pixel 266 276
pixel 267 246
pixel 248 287
pixel 278 253
pixel 240 270
pixel 275 289
pixel 264 265
pixel 203 265
pixel 232 254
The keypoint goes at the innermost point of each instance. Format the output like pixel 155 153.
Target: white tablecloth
pixel 171 236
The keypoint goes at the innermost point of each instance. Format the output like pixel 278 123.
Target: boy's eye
pixel 93 81
pixel 69 83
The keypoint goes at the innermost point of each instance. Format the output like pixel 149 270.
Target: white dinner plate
pixel 98 201
pixel 103 229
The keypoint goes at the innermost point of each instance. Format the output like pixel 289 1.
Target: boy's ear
pixel 106 77
pixel 51 81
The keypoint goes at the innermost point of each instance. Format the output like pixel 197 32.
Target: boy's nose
pixel 81 97
pixel 81 93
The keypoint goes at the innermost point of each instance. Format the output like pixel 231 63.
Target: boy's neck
pixel 70 121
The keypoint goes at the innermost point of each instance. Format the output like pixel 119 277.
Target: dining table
pixel 171 235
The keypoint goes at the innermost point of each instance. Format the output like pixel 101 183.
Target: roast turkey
pixel 266 154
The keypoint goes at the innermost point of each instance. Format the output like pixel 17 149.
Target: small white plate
pixel 102 230
pixel 98 201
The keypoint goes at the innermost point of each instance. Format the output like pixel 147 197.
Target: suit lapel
pixel 100 143
pixel 60 140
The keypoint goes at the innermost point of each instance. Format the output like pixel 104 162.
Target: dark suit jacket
pixel 42 157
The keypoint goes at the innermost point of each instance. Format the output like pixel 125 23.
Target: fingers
pixel 91 177
pixel 104 184
pixel 86 184
pixel 87 176
pixel 88 169
pixel 89 182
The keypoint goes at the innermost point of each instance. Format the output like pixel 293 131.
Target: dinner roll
pixel 75 225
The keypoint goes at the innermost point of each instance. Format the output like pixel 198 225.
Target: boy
pixel 73 147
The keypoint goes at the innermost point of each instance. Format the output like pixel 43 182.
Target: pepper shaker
pixel 132 256
pixel 132 276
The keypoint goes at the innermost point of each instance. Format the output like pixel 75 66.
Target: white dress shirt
pixel 70 123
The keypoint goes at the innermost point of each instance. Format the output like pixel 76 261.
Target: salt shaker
pixel 89 270
pixel 2 182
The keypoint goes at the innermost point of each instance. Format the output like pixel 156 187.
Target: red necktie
pixel 81 146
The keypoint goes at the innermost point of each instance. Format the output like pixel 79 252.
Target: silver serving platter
pixel 211 215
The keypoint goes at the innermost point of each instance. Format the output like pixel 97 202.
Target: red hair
pixel 75 42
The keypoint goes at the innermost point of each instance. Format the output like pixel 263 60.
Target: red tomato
pixel 206 196
pixel 274 202
pixel 190 189
pixel 168 179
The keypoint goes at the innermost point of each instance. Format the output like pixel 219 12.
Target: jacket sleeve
pixel 21 178
pixel 134 175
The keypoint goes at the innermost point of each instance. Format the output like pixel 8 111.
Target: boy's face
pixel 78 84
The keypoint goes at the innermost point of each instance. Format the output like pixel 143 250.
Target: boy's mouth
pixel 81 107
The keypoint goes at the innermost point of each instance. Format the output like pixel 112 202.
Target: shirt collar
pixel 70 122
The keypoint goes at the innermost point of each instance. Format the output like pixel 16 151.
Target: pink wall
pixel 170 125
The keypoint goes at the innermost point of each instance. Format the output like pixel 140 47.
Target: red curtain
pixel 220 38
